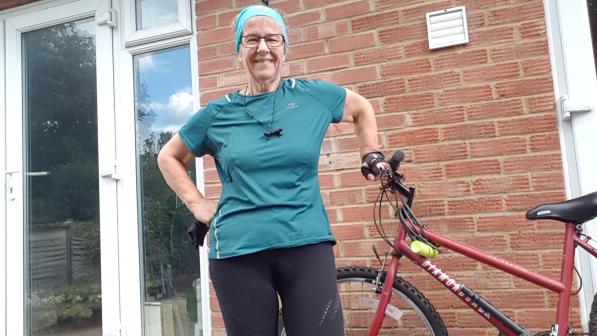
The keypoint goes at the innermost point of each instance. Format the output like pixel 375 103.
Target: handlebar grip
pixel 395 160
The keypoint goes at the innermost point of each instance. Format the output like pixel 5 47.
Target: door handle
pixel 569 106
pixel 111 173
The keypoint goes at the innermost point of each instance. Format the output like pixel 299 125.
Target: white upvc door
pixel 90 19
pixel 575 82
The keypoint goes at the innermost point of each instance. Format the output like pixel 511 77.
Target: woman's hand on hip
pixel 204 211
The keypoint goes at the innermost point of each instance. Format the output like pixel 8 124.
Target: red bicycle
pixel 379 302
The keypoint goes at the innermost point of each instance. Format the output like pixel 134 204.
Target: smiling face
pixel 262 63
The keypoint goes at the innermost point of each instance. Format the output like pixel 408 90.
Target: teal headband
pixel 257 10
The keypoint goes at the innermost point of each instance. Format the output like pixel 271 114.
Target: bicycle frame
pixel 473 300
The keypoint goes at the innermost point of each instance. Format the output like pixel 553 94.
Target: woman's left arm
pixel 358 111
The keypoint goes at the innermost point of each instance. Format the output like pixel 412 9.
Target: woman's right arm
pixel 173 160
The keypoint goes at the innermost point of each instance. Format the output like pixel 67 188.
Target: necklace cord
pixel 270 129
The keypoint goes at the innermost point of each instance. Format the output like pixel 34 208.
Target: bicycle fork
pixel 386 295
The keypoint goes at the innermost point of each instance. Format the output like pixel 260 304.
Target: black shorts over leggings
pixel 304 277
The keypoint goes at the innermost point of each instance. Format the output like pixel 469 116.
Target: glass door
pixel 62 185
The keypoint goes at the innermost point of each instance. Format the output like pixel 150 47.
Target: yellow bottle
pixel 424 249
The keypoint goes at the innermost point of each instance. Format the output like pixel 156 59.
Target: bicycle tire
pixel 410 312
pixel 593 318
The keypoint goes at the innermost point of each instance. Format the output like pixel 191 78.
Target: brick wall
pixel 477 123
pixel 6 4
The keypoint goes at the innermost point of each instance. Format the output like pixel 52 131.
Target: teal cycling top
pixel 270 189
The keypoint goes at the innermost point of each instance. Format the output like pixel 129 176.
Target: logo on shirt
pixel 291 106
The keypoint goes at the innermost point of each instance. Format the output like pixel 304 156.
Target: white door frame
pixel 17 22
pixel 573 68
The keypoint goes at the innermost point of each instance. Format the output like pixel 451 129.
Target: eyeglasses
pixel 272 40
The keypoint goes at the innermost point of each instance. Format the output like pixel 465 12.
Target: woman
pixel 269 233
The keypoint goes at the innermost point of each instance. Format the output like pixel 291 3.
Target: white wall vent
pixel 447 27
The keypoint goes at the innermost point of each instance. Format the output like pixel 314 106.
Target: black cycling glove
pixel 370 161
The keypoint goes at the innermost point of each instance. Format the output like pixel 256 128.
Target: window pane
pixel 62 213
pixel 155 13
pixel 171 288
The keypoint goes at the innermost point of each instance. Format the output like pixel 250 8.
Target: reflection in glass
pixel 164 102
pixel 156 13
pixel 62 234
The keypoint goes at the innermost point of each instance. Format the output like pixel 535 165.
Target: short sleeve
pixel 332 96
pixel 194 132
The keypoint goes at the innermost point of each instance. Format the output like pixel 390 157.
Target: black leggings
pixel 304 277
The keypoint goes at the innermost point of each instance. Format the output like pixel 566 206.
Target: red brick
pixel 440 152
pixel 498 147
pixel 465 94
pixel 402 33
pixel 527 201
pixel 353 42
pixel 417 49
pixel 405 68
pixel 346 197
pixel 216 66
pixel 418 13
pixel 378 55
pixel 310 4
pixel 206 53
pixel 515 14
pixel 335 161
pixel 391 121
pixel 434 81
pixel 532 163
pixel 492 73
pixel 227 18
pixel 208 6
pixel 361 213
pixel 356 75
pixel 547 181
pixel 300 51
pixel 469 131
pixel 406 138
pixel 304 18
pixel 287 7
pixel 456 60
pixel 326 180
pixel 473 168
pixel 422 172
pixel 351 179
pixel 375 21
pixel 495 109
pixel 291 69
pixel 409 102
pixel 443 189
pixel 451 224
pixel 482 4
pixel 518 51
pixel 426 208
pixel 501 184
pixel 328 62
pixel 213 36
pixel 529 124
pixel 382 89
pixel 437 116
pixel 544 142
pixel 541 104
pixel 492 36
pixel 538 66
pixel 524 87
pixel 347 10
pixel 206 22
pixel 208 82
pixel 504 223
pixel 326 30
pixel 348 232
pixel 361 248
pixel 475 205
pixel 531 30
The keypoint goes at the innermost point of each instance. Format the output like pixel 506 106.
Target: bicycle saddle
pixel 577 210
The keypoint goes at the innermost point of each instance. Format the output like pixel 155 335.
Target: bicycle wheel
pixel 409 312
